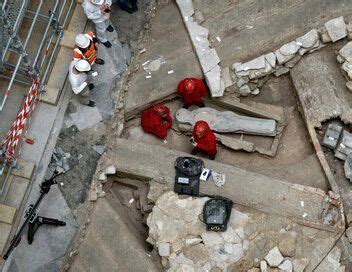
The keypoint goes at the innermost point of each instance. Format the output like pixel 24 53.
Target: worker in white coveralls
pixel 98 11
pixel 78 76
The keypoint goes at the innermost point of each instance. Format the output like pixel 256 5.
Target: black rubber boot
pixel 100 61
pixel 107 44
pixel 91 86
pixel 110 28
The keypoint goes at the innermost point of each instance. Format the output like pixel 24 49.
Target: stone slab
pixel 24 169
pixel 275 196
pixel 237 106
pixel 109 245
pixel 5 230
pixel 7 214
pixel 322 92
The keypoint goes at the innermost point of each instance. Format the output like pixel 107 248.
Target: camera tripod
pixel 33 220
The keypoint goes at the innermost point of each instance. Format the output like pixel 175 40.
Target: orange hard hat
pixel 200 128
pixel 190 85
pixel 161 110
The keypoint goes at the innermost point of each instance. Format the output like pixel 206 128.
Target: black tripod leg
pixel 51 221
pixel 33 227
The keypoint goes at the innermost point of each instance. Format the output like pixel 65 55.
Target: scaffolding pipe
pixel 44 36
pixel 57 42
pixel 51 38
pixel 14 29
pixel 21 56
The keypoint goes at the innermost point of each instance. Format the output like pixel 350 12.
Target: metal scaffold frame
pixel 28 68
pixel 24 68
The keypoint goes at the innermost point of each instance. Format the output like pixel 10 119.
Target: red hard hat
pixel 190 84
pixel 161 110
pixel 200 128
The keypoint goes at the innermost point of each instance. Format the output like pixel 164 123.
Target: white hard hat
pixel 82 66
pixel 82 41
pixel 98 2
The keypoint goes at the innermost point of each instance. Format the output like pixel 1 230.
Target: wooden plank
pixel 7 214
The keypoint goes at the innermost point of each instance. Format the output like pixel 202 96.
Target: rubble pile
pixel 176 230
pixel 181 239
pixel 251 75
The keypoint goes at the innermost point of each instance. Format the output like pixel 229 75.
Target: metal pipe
pixel 40 15
pixel 51 38
pixel 44 36
pixel 21 56
pixel 57 42
pixel 6 179
pixel 14 29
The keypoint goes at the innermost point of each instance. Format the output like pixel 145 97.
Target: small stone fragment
pixel 349 234
pixel 340 59
pixel 245 90
pixel 300 264
pixel 164 249
pixel 286 266
pixel 271 59
pixel 241 81
pixel 289 49
pixel 93 196
pixel 102 177
pixel 287 247
pixel 336 28
pixel 349 30
pixel 274 257
pixel 346 52
pixel 110 170
pixel 255 91
pixel 324 36
pixel 348 167
pixel 198 15
pixel 263 266
pixel 281 71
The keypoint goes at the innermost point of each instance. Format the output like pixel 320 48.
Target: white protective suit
pixel 101 20
pixel 78 81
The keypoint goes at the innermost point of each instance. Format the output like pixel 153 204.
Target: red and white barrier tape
pixel 19 125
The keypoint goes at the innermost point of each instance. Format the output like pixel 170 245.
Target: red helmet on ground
pixel 161 110
pixel 200 128
pixel 190 85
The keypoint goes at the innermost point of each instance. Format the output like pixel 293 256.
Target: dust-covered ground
pixel 81 157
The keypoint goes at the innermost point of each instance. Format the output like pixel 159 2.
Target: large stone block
pixel 332 135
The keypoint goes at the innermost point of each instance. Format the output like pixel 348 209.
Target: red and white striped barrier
pixel 13 137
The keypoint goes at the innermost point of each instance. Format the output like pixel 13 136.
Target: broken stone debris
pixel 281 60
pixel 274 257
pixel 175 226
pixel 100 149
pixel 286 266
pixel 59 161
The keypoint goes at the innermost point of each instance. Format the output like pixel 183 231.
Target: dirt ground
pixel 295 151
